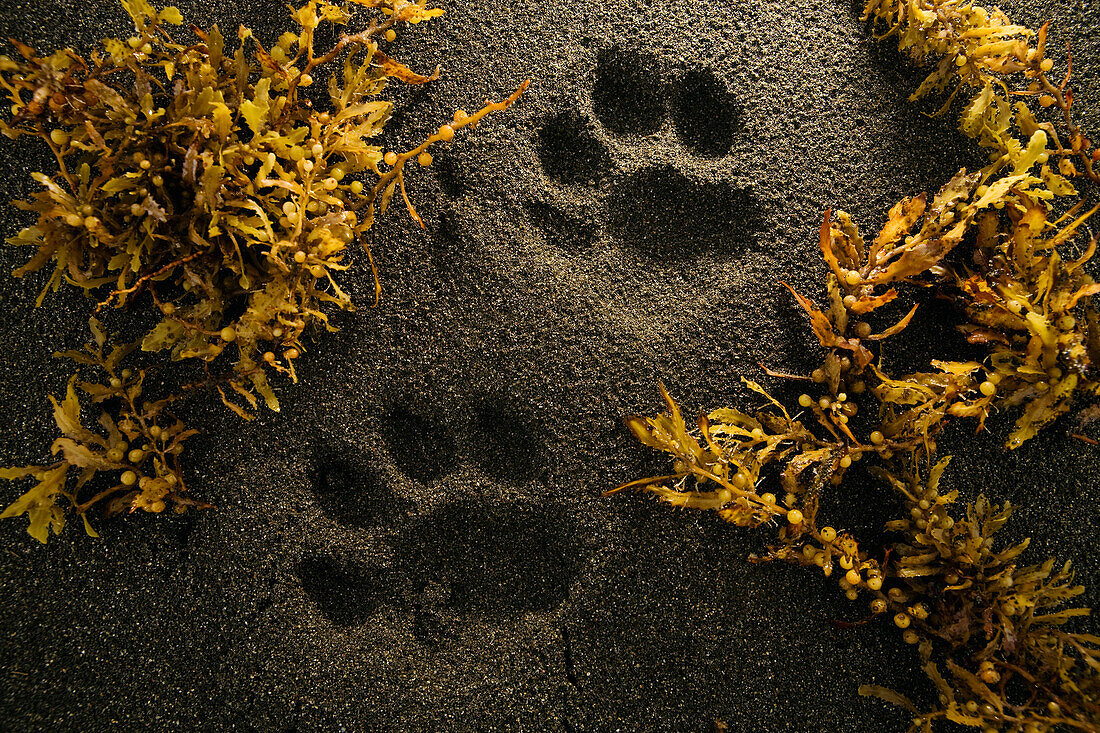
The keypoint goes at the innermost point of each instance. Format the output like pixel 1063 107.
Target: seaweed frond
pixel 218 187
pixel 1004 245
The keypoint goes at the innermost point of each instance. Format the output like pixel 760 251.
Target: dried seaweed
pixel 1008 249
pixel 205 183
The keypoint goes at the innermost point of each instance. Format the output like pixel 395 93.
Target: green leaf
pixel 998 190
pixel 215 44
pixel 78 454
pixel 117 185
pixel 67 413
pixel 241 413
pixel 974 114
pixel 166 334
pixel 140 11
pixel 259 381
pixel 97 331
pixel 955 714
pixel 223 120
pixel 760 390
pixel 255 110
pixel 88 527
pixel 885 693
pixel 116 48
pixel 20 472
pixel 1058 185
pixel 172 15
pixel 211 183
pixel 39 504
pixel 1036 146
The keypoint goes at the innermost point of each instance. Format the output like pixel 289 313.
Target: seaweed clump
pixel 216 189
pixel 1008 245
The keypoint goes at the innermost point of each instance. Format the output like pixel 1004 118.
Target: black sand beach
pixel 417 542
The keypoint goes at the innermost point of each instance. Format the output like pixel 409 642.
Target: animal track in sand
pixel 662 212
pixel 492 559
pixel 570 150
pixel 421 448
pixel 627 94
pixel 504 442
pixel 461 559
pixel 449 173
pixel 564 229
pixel 705 114
pixel 350 492
pixel 669 206
pixel 465 557
pixel 345 590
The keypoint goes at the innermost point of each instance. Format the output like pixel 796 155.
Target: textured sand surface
pixel 418 542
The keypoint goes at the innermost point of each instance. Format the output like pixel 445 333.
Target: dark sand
pixel 418 541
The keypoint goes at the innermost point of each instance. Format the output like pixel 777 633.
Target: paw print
pixel 642 159
pixel 461 556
